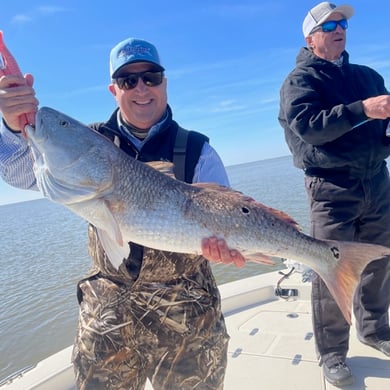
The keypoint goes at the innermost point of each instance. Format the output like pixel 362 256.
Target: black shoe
pixel 338 374
pixel 377 343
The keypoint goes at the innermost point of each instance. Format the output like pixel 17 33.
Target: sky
pixel 225 61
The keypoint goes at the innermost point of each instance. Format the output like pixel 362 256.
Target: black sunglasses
pixel 331 25
pixel 130 80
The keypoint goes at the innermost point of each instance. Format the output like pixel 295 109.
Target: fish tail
pixel 353 258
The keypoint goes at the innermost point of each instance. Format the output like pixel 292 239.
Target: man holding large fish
pixel 156 314
pixel 151 307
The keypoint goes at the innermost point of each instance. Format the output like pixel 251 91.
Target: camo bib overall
pixel 166 324
pixel 157 317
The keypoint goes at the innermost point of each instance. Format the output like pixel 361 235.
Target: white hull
pixel 271 346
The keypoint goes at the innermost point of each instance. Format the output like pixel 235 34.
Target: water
pixel 43 253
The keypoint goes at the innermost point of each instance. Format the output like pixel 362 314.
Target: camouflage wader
pixel 162 321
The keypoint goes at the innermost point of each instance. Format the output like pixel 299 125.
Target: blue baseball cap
pixel 133 50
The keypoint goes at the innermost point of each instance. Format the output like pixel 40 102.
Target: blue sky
pixel 225 60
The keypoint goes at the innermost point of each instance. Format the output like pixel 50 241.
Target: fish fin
pixel 342 281
pixel 217 187
pixel 97 212
pixel 112 224
pixel 280 215
pixel 116 253
pixel 235 194
pixel 260 258
pixel 165 167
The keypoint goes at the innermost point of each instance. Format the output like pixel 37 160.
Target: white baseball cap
pixel 321 12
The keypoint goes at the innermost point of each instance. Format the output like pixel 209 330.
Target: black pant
pixel 351 209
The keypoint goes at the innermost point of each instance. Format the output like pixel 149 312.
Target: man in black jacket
pixel 335 115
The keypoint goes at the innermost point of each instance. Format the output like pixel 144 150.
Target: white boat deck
pixel 271 346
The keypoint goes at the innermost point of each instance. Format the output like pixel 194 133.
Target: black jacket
pixel 322 114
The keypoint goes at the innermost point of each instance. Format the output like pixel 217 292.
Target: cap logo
pixel 129 50
pixel 133 50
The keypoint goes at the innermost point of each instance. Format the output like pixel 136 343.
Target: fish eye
pixel 64 123
pixel 245 210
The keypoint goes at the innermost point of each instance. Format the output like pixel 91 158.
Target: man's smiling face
pixel 142 106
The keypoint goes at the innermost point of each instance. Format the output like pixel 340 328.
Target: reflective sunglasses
pixel 130 80
pixel 331 25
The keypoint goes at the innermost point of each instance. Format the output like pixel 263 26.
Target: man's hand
pixel 217 251
pixel 17 97
pixel 377 107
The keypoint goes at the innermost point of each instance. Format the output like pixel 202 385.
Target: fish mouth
pixel 33 141
pixel 30 131
pixel 33 133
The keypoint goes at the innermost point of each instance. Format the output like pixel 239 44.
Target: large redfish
pixel 128 200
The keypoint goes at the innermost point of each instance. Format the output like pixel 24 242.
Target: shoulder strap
pixel 185 159
pixel 179 153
